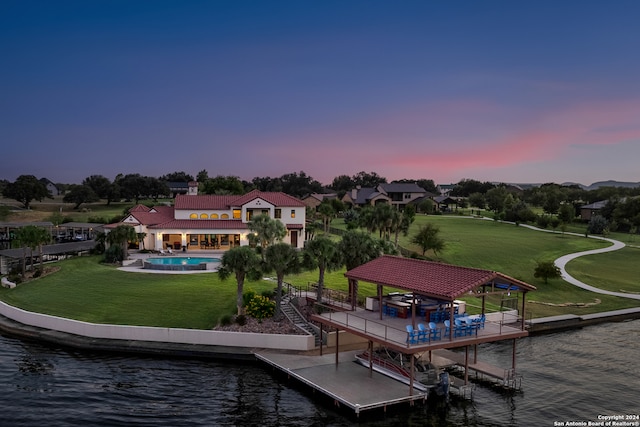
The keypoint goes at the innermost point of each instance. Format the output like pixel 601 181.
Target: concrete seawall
pixel 572 321
pixel 246 352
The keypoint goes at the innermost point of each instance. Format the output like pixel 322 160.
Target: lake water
pixel 570 376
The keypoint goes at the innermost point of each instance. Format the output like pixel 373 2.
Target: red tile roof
pixel 433 279
pixel 205 201
pixel 295 226
pixel 225 202
pixel 203 224
pixel 278 199
pixel 140 208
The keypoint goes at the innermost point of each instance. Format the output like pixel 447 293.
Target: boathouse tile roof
pixel 433 279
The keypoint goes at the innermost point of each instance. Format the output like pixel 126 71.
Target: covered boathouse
pixel 431 298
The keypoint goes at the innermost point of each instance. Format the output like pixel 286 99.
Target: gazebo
pixel 426 284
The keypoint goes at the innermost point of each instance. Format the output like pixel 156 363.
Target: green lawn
pixel 86 290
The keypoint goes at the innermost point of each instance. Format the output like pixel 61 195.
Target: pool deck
pixel 131 264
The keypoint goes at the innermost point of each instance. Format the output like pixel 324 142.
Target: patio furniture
pixel 436 334
pixel 423 333
pixel 460 329
pixel 447 328
pixel 412 335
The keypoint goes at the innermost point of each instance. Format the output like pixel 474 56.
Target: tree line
pixel 560 203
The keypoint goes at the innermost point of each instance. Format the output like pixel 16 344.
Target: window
pixel 214 216
pixel 249 215
pixel 224 216
pixel 193 216
pixel 204 216
pixel 278 213
pixel 237 214
pixel 407 195
pixel 265 211
pixel 293 213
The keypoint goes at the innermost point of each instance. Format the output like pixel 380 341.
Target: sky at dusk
pixel 511 91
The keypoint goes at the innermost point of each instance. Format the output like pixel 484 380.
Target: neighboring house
pixel 445 203
pixel 314 200
pixel 591 210
pixel 51 187
pixel 362 196
pixel 206 222
pixel 182 188
pixel 397 194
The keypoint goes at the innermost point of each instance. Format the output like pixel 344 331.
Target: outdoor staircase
pixel 294 316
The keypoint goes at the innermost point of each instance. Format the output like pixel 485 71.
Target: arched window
pixel 225 216
pixel 204 216
pixel 214 216
pixel 193 216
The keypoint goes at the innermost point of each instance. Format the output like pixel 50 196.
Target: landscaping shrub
pixel 226 320
pixel 114 254
pixel 271 294
pixel 261 307
pixel 247 296
pixel 598 225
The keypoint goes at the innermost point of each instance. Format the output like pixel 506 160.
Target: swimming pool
pixel 181 263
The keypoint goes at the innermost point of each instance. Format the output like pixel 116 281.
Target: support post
pixel 524 295
pixel 370 358
pixel 513 355
pixel 413 373
pixel 321 324
pixel 380 300
pixel 466 365
pixel 337 346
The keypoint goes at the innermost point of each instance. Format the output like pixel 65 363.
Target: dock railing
pixel 497 325
pixel 368 326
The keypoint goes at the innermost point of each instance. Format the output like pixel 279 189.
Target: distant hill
pixel 609 183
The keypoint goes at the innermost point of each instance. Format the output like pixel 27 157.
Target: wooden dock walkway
pixel 347 383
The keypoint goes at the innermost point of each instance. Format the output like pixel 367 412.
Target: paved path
pixel 563 260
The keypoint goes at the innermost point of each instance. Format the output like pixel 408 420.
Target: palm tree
pixel 357 248
pixel 31 236
pixel 266 231
pixel 321 253
pixel 122 235
pixel 327 213
pixel 241 261
pixel 283 259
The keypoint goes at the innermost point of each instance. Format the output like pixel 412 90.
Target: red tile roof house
pixel 208 222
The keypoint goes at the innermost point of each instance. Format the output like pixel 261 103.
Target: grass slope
pixel 85 290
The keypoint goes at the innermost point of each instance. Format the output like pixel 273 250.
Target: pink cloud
pixel 455 139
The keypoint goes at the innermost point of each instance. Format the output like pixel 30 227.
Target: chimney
pixel 193 188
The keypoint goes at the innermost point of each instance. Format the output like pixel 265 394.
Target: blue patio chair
pixel 393 312
pixel 460 329
pixel 412 335
pixel 423 333
pixel 436 334
pixel 447 328
pixel 472 326
pixel 482 320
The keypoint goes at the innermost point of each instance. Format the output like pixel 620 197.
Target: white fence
pixel 154 334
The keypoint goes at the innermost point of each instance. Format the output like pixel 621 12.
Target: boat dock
pixel 347 382
pixel 505 377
